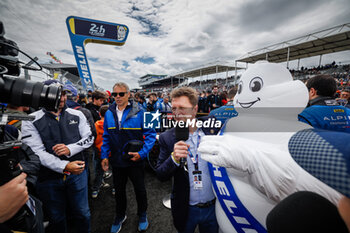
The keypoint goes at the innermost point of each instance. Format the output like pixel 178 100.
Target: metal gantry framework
pixel 335 39
pixel 208 69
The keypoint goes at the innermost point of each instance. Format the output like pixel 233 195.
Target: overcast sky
pixel 167 37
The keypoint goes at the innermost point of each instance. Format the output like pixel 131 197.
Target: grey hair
pixel 121 84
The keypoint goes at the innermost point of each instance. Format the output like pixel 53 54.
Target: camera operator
pixel 20 110
pixel 15 193
pixel 19 166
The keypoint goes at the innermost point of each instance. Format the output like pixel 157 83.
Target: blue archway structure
pixel 83 31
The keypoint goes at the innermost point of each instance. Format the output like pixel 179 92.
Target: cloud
pixel 125 67
pixel 145 60
pixel 69 52
pixel 257 16
pixel 167 37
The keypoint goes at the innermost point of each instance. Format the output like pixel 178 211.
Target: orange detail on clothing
pixel 99 131
pixel 12 122
pixel 99 139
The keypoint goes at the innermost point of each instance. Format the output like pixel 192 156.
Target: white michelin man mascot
pixel 251 167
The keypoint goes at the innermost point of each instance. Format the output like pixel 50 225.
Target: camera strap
pixel 31 205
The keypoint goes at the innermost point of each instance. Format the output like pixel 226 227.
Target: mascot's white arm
pixel 271 170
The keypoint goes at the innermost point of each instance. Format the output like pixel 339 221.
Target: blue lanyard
pixel 195 159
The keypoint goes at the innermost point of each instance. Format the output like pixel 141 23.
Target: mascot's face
pixel 269 85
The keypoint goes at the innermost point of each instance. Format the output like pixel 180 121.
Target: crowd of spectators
pixel 341 73
pixel 69 141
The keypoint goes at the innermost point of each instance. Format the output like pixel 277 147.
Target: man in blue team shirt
pixel 157 103
pixel 140 99
pixel 160 97
pixel 323 110
pixel 214 100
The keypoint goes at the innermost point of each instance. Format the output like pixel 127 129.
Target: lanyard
pixel 195 159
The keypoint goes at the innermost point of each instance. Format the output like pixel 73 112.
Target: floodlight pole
pixel 288 57
pixel 235 72
pixel 200 78
pixel 298 63
pixel 226 76
pixel 319 64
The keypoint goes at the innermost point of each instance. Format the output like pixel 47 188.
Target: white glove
pixel 270 169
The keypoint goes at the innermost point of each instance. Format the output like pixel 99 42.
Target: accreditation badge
pixel 197 179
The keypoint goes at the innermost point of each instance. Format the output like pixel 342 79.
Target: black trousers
pixel 137 177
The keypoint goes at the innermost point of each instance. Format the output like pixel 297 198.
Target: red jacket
pixel 99 131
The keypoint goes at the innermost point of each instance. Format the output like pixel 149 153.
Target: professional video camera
pixel 19 92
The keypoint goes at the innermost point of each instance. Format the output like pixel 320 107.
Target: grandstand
pixel 335 39
pixel 164 83
pixel 153 82
pixel 66 73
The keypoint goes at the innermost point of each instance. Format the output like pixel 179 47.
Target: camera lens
pixel 49 97
pixel 22 92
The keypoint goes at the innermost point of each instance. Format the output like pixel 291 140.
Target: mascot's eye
pixel 256 84
pixel 240 86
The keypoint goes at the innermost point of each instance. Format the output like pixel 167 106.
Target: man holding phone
pixel 128 142
pixel 59 138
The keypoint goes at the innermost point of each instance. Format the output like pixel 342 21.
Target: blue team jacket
pixel 327 117
pixel 116 136
pixel 224 112
pixel 158 105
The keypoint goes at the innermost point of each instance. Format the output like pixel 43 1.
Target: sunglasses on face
pixel 121 94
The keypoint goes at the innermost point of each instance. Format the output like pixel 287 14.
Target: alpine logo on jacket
pixel 72 122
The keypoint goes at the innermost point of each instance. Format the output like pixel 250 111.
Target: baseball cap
pixel 70 88
pixel 325 155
